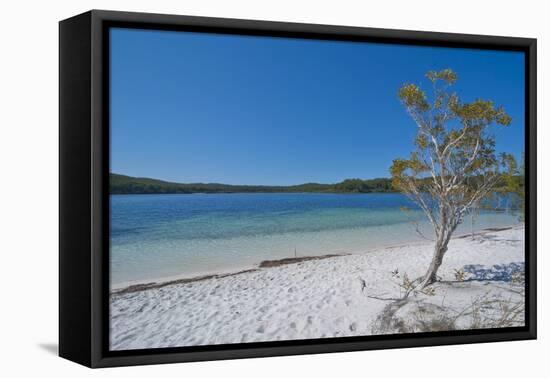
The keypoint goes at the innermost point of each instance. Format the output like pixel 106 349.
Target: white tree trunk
pixel 440 249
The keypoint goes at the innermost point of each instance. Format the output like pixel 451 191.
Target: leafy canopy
pixel 454 161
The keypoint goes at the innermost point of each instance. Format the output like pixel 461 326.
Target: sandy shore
pixel 334 296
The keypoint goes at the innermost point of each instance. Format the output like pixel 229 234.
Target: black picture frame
pixel 84 187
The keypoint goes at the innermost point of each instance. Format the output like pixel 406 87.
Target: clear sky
pixel 193 107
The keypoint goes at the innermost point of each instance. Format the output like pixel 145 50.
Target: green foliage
pixel 363 186
pixel 453 165
pixel 460 274
pixel 447 75
pixel 454 161
pixel 413 97
pixel 120 184
pixel 513 181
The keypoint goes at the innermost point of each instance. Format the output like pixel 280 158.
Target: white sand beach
pixel 349 295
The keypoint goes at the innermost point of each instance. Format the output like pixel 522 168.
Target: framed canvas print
pixel 233 188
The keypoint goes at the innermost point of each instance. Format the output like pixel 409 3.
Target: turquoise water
pixel 159 236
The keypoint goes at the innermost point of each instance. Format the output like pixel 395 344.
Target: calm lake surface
pixel 159 236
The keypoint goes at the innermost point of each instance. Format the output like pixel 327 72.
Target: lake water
pixel 160 236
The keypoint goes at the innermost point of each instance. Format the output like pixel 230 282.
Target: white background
pixel 29 186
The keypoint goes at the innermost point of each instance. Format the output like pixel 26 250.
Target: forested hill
pixel 121 184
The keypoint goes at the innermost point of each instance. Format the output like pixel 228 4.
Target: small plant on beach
pixel 518 277
pixel 429 290
pixel 454 164
pixel 395 273
pixel 406 284
pixel 460 274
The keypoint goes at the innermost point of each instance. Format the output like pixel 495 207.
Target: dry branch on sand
pixel 501 304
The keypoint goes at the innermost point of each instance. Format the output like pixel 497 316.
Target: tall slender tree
pixel 454 163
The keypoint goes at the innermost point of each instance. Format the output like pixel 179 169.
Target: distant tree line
pixel 121 184
pixel 364 186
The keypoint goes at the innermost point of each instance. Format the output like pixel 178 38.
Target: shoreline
pixel 147 284
pixel 480 286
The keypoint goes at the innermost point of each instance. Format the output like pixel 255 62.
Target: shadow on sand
pixel 501 272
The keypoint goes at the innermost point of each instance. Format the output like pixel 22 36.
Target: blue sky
pixel 193 107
